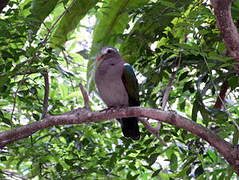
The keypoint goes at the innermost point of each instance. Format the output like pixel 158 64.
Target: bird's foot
pixel 108 109
pixel 117 108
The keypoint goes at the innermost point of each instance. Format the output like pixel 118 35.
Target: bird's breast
pixel 110 85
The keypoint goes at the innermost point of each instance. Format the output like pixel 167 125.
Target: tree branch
pixel 152 130
pixel 30 72
pixel 168 89
pixel 46 94
pixel 164 103
pixel 12 174
pixel 82 115
pixel 221 97
pixel 222 10
pixel 85 97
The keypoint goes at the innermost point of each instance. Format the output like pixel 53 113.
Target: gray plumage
pixel 113 86
pixel 109 83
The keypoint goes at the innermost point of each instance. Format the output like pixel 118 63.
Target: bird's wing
pixel 131 85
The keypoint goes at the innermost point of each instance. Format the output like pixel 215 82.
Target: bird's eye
pixel 109 51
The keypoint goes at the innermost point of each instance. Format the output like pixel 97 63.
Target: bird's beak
pixel 100 58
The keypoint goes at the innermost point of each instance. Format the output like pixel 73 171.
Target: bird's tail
pixel 130 127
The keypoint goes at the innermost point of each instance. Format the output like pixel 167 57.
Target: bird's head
pixel 107 52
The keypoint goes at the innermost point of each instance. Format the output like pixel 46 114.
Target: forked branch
pixel 82 115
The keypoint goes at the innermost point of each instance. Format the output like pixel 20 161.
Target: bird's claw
pixel 108 109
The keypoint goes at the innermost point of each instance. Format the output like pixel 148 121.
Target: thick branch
pixel 222 10
pixel 83 115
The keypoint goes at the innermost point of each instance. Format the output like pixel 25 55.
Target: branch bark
pixel 83 115
pixel 46 94
pixel 85 97
pixel 222 10
pixel 221 97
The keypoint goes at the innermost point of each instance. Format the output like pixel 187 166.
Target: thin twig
pixel 167 89
pixel 46 94
pixel 85 97
pixel 236 124
pixel 151 129
pixel 67 65
pixel 15 97
pixel 220 102
pixel 12 175
pixel 30 72
pixel 50 30
pixel 213 83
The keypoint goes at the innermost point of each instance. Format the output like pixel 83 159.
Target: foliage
pixel 159 38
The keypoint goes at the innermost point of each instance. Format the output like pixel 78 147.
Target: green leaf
pixel 195 111
pixel 154 35
pixel 183 76
pixel 199 171
pixel 59 167
pixel 222 176
pixel 40 9
pixel 130 177
pixel 152 158
pixel 156 173
pixel 173 162
pixel 168 4
pixel 184 172
pixel 36 116
pixel 212 155
pixel 233 82
pixel 113 18
pixel 132 166
pixel 76 11
pixel 3 158
pixel 182 105
pixel 145 29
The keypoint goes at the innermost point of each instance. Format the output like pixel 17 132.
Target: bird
pixel 118 87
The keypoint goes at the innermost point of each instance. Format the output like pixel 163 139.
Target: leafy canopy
pixel 159 38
